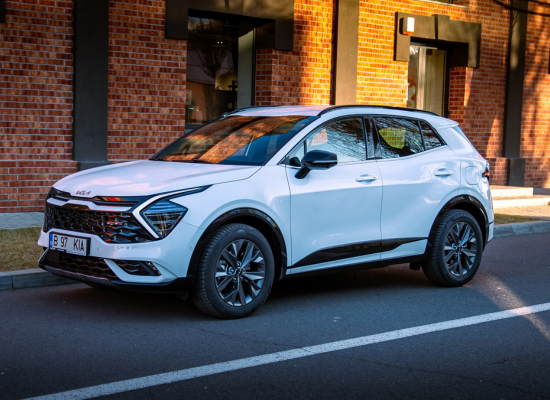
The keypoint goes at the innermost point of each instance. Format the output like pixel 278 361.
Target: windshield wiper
pixel 197 160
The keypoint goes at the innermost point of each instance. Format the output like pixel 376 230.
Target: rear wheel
pixel 235 272
pixel 455 249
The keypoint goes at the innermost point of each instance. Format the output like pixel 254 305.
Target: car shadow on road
pixel 300 292
pixel 392 277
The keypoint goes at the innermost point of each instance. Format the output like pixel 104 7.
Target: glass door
pixel 427 79
pixel 220 68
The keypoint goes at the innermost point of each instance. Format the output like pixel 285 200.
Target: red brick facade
pixel 147 75
pixel 146 81
pixel 35 101
pixel 535 146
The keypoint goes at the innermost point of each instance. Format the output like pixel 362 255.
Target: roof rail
pixel 336 108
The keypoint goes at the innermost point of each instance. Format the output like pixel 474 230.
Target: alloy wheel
pixel 240 272
pixel 460 249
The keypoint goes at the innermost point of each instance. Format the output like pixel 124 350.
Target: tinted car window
pixel 431 140
pixel 398 137
pixel 295 158
pixel 345 138
pixel 237 140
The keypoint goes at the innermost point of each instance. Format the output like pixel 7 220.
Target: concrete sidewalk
pixel 21 220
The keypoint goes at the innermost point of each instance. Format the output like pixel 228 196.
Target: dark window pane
pixel 430 138
pixel 212 69
pixel 398 137
pixel 295 158
pixel 345 138
pixel 237 140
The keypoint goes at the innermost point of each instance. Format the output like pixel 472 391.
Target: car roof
pixel 317 110
pixel 273 111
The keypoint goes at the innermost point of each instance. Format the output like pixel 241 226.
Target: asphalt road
pixel 63 338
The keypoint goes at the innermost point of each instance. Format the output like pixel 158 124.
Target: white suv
pixel 269 192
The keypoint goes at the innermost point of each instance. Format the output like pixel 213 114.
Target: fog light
pixel 144 268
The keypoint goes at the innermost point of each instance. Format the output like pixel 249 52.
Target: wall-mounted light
pixel 408 26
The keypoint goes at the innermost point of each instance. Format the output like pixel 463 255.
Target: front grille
pixel 90 266
pixel 112 227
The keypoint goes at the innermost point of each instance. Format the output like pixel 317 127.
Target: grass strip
pixel 18 249
pixel 509 219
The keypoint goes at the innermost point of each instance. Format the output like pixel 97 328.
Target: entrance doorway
pixel 427 80
pixel 220 68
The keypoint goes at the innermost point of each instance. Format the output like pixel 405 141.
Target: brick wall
pixel 35 101
pixel 147 83
pixel 146 80
pixel 302 76
pixel 535 135
pixel 384 81
pixel 476 95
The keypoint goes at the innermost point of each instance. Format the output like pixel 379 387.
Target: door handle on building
pixel 366 178
pixel 443 172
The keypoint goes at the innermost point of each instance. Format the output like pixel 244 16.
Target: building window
pixel 427 79
pixel 220 68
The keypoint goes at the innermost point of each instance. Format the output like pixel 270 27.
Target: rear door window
pixel 431 140
pixel 398 137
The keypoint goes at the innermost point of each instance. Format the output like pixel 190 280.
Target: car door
pixel 420 174
pixel 335 213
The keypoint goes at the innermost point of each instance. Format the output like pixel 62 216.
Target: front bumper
pixel 170 255
pixel 176 286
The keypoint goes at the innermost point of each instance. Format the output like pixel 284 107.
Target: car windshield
pixel 237 140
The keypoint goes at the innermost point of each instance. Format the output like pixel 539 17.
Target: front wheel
pixel 455 249
pixel 235 272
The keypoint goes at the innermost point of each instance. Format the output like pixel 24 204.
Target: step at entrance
pixel 510 191
pixel 520 201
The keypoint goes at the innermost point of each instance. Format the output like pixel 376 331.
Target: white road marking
pixel 206 370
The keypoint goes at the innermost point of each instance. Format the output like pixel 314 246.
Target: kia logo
pixel 83 193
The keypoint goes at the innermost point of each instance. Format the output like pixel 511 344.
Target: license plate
pixel 69 244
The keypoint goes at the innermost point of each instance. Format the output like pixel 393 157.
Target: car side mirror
pixel 316 159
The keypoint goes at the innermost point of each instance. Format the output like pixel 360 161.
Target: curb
pixel 522 228
pixel 33 278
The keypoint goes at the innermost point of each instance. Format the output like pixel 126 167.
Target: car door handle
pixel 443 172
pixel 366 178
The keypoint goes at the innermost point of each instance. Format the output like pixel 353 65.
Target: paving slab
pixel 21 220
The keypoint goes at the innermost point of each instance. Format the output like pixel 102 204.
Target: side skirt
pixel 361 266
pixel 312 264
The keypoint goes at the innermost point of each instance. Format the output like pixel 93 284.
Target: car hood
pixel 144 178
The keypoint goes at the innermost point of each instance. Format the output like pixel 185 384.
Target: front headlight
pixel 163 216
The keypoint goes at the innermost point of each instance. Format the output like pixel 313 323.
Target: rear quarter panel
pixel 472 166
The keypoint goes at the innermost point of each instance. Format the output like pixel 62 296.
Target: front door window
pixel 427 73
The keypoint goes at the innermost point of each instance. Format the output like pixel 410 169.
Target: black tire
pixel 205 293
pixel 460 267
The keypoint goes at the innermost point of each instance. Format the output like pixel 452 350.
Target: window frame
pixel 302 142
pixel 376 135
